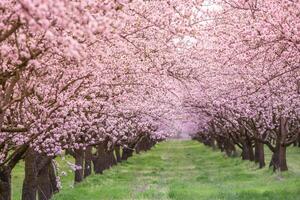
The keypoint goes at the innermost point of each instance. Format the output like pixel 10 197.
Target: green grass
pixel 186 170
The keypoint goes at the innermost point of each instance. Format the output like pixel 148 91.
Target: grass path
pixel 186 170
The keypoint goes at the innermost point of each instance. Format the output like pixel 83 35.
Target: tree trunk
pixel 47 183
pixel 109 159
pixel 99 159
pixel 251 152
pixel 127 152
pixel 296 142
pixel 220 145
pixel 282 158
pixel 151 143
pixel 247 152
pixel 282 148
pixel 278 161
pixel 30 181
pixel 138 148
pixel 88 161
pixel 112 159
pixel 79 160
pixel 5 184
pixel 117 151
pixel 5 172
pixel 259 154
pixel 148 144
pixel 229 148
pixel 44 183
pixel 212 143
pixel 2 114
pixel 53 178
pixel 143 145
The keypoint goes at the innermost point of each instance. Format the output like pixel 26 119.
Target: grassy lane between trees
pixel 186 170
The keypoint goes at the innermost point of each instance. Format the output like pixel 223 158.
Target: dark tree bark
pixel 282 158
pixel 70 152
pixel 88 161
pixel 220 145
pixel 149 143
pixel 143 145
pixel 99 160
pixel 247 151
pixel 278 161
pixel 53 178
pixel 212 143
pixel 117 152
pixel 5 172
pixel 79 160
pixel 111 157
pixel 47 184
pixel 30 181
pixel 138 148
pixel 295 143
pixel 44 184
pixel 298 140
pixel 259 154
pixel 5 184
pixel 127 152
pixel 229 148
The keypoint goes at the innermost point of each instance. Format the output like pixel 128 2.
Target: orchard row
pixel 253 99
pixel 82 75
pixel 78 75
